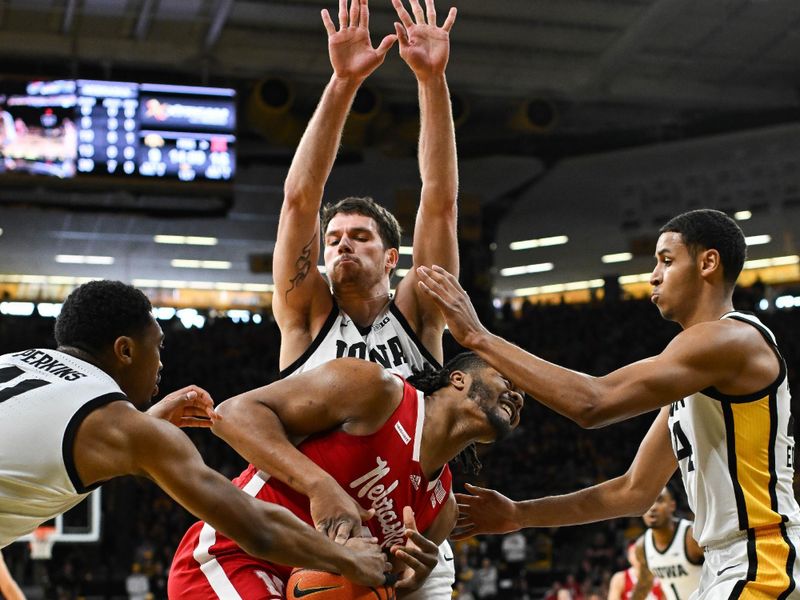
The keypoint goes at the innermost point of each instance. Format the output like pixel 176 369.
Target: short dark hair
pixel 428 380
pixel 710 229
pixel 97 313
pixel 388 227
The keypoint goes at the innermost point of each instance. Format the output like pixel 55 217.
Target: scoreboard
pixel 80 128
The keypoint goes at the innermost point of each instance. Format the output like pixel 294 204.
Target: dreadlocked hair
pixel 428 380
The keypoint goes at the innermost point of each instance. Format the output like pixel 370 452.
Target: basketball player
pixel 69 422
pixel 380 438
pixel 668 551
pixel 353 313
pixel 625 584
pixel 725 415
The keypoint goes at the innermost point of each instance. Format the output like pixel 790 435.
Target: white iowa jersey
pixel 736 455
pixel 389 341
pixel 678 575
pixel 44 397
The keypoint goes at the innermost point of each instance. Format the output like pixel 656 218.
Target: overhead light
pixel 758 240
pixel 17 309
pixel 777 261
pixel 555 240
pixel 618 257
pixel 639 278
pixel 558 288
pixel 1 231
pixel 190 240
pixel 536 268
pixel 401 272
pixel 185 263
pixel 409 250
pixel 48 309
pixel 742 215
pixel 80 259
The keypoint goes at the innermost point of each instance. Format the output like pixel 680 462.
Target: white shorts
pixel 757 564
pixel 439 584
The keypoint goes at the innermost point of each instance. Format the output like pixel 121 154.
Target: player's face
pixel 354 250
pixel 145 367
pixel 675 279
pixel 660 513
pixel 499 399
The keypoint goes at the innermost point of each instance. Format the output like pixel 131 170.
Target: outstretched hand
pixel 191 406
pixel 454 303
pixel 419 554
pixel 350 47
pixel 423 45
pixel 483 511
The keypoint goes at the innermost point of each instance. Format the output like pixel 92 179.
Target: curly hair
pixel 428 380
pixel 97 313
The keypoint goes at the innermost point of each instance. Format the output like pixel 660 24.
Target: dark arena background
pixel 148 141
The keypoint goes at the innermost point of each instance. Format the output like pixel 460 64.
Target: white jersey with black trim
pixel 736 456
pixel 44 397
pixel 389 341
pixel 679 576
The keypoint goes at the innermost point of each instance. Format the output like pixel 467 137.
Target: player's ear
pixel 459 380
pixel 124 349
pixel 392 258
pixel 710 262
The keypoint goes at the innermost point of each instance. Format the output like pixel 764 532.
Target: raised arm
pixel 487 511
pixel 644 576
pixel 425 47
pixel 118 440
pixel 349 393
pixel 301 294
pixel 691 362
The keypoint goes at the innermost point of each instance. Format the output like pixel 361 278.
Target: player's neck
pixel 663 536
pixel 707 309
pixel 362 306
pixel 83 355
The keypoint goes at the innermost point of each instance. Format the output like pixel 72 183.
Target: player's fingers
pixel 430 9
pixel 342 15
pixel 343 532
pixel 451 18
pixel 402 35
pixel 423 543
pixel 402 13
pixel 366 515
pixel 386 44
pixel 408 518
pixel 355 9
pixel 462 533
pixel 363 18
pixel 476 490
pixel 419 14
pixel 195 422
pixel 328 22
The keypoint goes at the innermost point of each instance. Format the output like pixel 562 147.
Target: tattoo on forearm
pixel 302 266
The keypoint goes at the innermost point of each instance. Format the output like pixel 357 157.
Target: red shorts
pixel 203 570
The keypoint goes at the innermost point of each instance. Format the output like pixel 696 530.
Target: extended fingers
pixel 343 22
pixel 328 22
pixel 430 8
pixel 451 18
pixel 419 14
pixel 402 13
pixel 363 20
pixel 355 10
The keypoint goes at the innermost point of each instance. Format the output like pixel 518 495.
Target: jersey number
pixel 26 385
pixel 683 449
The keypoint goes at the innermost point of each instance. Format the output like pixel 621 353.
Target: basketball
pixel 321 585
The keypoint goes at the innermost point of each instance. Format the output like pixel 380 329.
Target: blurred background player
pixel 354 314
pixel 668 551
pixel 623 583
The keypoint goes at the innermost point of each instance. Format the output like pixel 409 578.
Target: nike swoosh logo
pixel 721 571
pixel 298 593
pixel 448 558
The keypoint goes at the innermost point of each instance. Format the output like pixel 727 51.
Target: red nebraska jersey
pixel 379 471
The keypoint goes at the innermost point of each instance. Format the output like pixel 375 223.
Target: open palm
pixel 350 47
pixel 424 46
